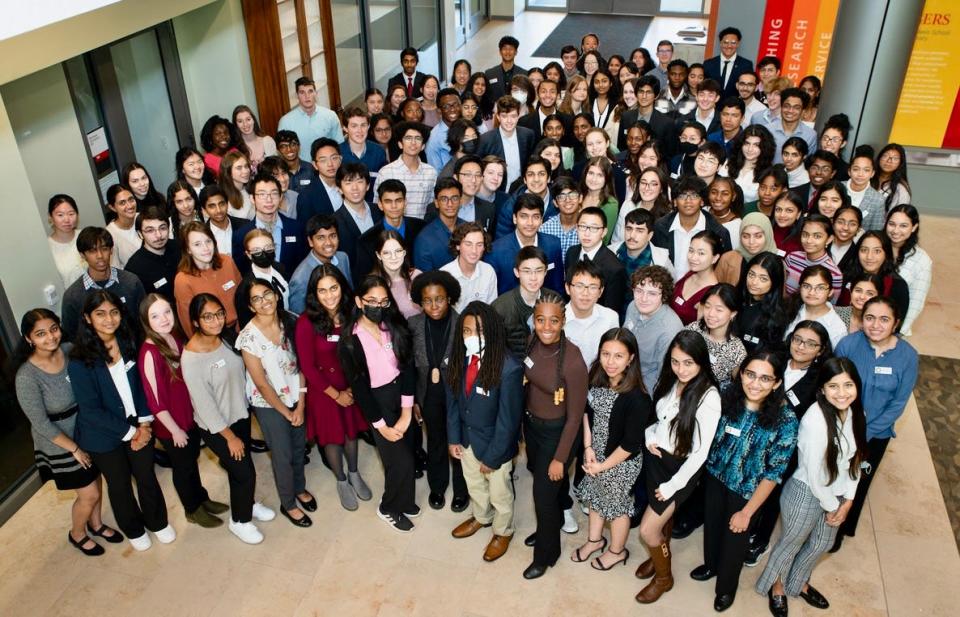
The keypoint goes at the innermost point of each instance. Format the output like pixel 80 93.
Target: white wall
pixel 506 9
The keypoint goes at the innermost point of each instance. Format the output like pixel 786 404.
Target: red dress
pixel 327 422
pixel 686 308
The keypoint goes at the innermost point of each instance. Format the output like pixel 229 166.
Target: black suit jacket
pixel 663 236
pixel 486 214
pixel 350 234
pixel 497 82
pixel 418 79
pixel 367 245
pixel 491 143
pixel 614 277
pixel 313 200
pixel 663 130
pixel 713 68
pixel 353 360
pixel 293 238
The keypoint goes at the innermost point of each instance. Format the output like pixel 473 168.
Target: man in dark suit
pixel 484 391
pixel 213 202
pixel 661 125
pixel 392 200
pixel 288 236
pixel 498 77
pixel 591 228
pixel 355 216
pixel 512 143
pixel 673 231
pixel 468 172
pixel 527 217
pixel 548 95
pixel 705 113
pixel 315 198
pixel 728 66
pixel 410 78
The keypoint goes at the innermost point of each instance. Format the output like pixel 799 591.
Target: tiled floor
pixel 903 562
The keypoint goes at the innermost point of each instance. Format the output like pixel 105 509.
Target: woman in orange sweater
pixel 204 270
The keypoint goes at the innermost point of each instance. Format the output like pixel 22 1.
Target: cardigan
pixel 631 413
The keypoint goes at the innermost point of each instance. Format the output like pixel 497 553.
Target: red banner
pixel 776 29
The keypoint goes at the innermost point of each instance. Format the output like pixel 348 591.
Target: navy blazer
pixel 663 126
pixel 485 213
pixel 349 235
pixel 491 143
pixel 497 84
pixel 312 200
pixel 713 69
pixel 503 254
pixel 615 284
pixel 488 421
pixel 401 78
pixel 432 247
pixel 292 236
pixel 102 420
pixel 505 226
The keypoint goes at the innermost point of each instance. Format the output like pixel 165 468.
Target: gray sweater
pixel 653 338
pixel 128 287
pixel 41 393
pixel 216 382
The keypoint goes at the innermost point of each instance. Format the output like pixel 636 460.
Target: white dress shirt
pixel 586 333
pixel 482 285
pixel 812 465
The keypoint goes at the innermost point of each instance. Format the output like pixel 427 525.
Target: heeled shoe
pixel 577 557
pixel 116 538
pixel 596 564
pixel 95 551
pixel 299 522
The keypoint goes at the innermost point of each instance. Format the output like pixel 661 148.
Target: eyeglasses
pixel 568 196
pixel 437 302
pixel 592 288
pixel 532 271
pixel 417 139
pixel 336 158
pixel 832 140
pixel 447 199
pixel 374 302
pixel 258 300
pixel 767 380
pixel 382 129
pixel 802 343
pixel 646 184
pixel 210 317
pixel 394 253
pixel 267 194
pixel 807 287
pixel 471 176
pixel 640 292
pixel 589 228
pixel 890 158
pixel 689 195
pixel 822 168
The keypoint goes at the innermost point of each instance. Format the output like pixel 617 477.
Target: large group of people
pixel 656 277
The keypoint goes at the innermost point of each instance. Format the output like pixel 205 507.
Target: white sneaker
pixel 584 508
pixel 570 524
pixel 142 543
pixel 166 535
pixel 262 513
pixel 247 532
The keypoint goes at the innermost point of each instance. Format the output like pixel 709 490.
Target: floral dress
pixel 609 493
pixel 279 365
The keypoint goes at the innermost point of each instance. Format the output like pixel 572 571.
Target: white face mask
pixel 474 345
pixel 520 95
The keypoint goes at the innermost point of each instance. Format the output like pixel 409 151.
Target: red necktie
pixel 472 369
pixel 409 87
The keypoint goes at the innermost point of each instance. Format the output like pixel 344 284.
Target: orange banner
pixel 800 41
pixel 823 36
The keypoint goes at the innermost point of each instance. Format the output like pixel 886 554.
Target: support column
pixel 871 49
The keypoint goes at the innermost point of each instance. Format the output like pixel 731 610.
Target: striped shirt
pixel 419 185
pixel 796 262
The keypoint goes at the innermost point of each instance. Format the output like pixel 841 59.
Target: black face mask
pixel 373 313
pixel 264 259
pixel 469 146
pixel 686 148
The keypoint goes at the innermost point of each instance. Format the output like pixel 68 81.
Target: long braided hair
pixel 494 346
pixel 551 297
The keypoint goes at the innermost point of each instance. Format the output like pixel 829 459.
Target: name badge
pixel 305 182
pixel 781 253
pixel 528 362
pixel 882 370
pixel 220 363
pixel 793 397
pixel 495 80
pixel 68 378
pixel 732 430
pixel 228 285
pixel 123 299
pixel 482 392
pixel 290 239
pixel 160 283
pixel 750 338
pixel 550 267
pixel 333 338
pixel 678 301
pixel 129 365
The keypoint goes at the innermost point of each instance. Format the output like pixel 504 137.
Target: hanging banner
pixel 928 113
pixel 799 33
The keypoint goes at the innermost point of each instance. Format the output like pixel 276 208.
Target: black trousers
pixel 690 513
pixel 399 484
pixel 147 510
pixel 186 472
pixel 549 497
pixel 723 550
pixel 440 467
pixel 876 448
pixel 241 475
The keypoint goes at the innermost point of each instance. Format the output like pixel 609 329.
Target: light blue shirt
pixel 277 233
pixel 322 123
pixel 301 276
pixel 468 211
pixel 438 152
pixel 802 131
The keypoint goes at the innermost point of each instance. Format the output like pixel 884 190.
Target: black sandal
pixel 116 538
pixel 96 551
pixel 578 558
pixel 596 564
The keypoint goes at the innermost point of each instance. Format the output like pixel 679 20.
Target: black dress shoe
pixel 723 602
pixel 95 550
pixel 534 570
pixel 814 598
pixel 702 573
pixel 436 501
pixel 161 458
pixel 459 504
pixel 258 445
pixel 777 604
pixel 531 540
pixel 682 529
pixel 301 522
pixel 310 505
pixel 837 543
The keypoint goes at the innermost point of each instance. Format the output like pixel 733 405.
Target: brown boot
pixel 663 579
pixel 645 569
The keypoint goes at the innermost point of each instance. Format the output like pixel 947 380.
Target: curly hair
pixel 658 276
pixel 462 230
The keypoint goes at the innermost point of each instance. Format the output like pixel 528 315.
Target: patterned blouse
pixel 724 357
pixel 744 453
pixel 279 364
